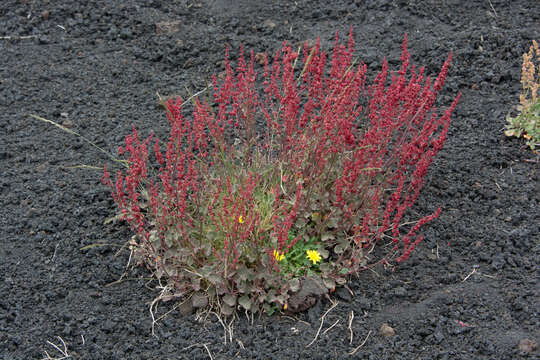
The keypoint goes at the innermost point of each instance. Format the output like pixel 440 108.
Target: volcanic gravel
pixel 469 291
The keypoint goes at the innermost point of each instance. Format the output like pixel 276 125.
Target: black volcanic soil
pixel 470 291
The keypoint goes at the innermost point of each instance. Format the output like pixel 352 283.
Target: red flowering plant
pixel 258 190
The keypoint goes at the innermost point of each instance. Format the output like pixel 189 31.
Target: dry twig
pixel 468 276
pixel 227 328
pixel 351 317
pixel 200 344
pixel 362 344
pixel 63 351
pixel 492 8
pixel 17 37
pixel 155 302
pixel 322 322
pixel 331 326
pixel 295 319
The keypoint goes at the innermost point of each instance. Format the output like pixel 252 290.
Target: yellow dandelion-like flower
pixel 313 256
pixel 241 219
pixel 279 256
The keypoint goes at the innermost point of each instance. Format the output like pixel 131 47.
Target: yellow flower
pixel 313 256
pixel 240 219
pixel 278 256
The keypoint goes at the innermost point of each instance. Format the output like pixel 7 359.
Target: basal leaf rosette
pixel 270 193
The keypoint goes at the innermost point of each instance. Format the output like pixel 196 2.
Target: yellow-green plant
pixel 527 123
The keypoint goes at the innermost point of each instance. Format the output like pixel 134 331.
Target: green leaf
pixel 332 223
pixel 199 300
pixel 340 248
pixel 242 273
pixel 294 285
pixel 270 296
pixel 270 309
pixel 214 279
pixel 329 283
pixel 327 236
pixel 245 302
pixel 242 286
pixel 300 223
pixel 344 271
pixel 251 257
pixel 227 310
pixel 229 300
pixel 325 268
pixel 169 239
pixel 324 253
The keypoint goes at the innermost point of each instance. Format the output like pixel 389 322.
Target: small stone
pixel 387 330
pixel 260 58
pixel 168 27
pixel 222 75
pixel 269 24
pixel 67 123
pixel 45 14
pixel 527 345
pixel 95 294
pixel 43 40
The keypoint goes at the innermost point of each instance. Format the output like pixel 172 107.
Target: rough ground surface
pixel 96 67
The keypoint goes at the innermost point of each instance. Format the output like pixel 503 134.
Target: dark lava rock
pixel 311 290
pixel 343 294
